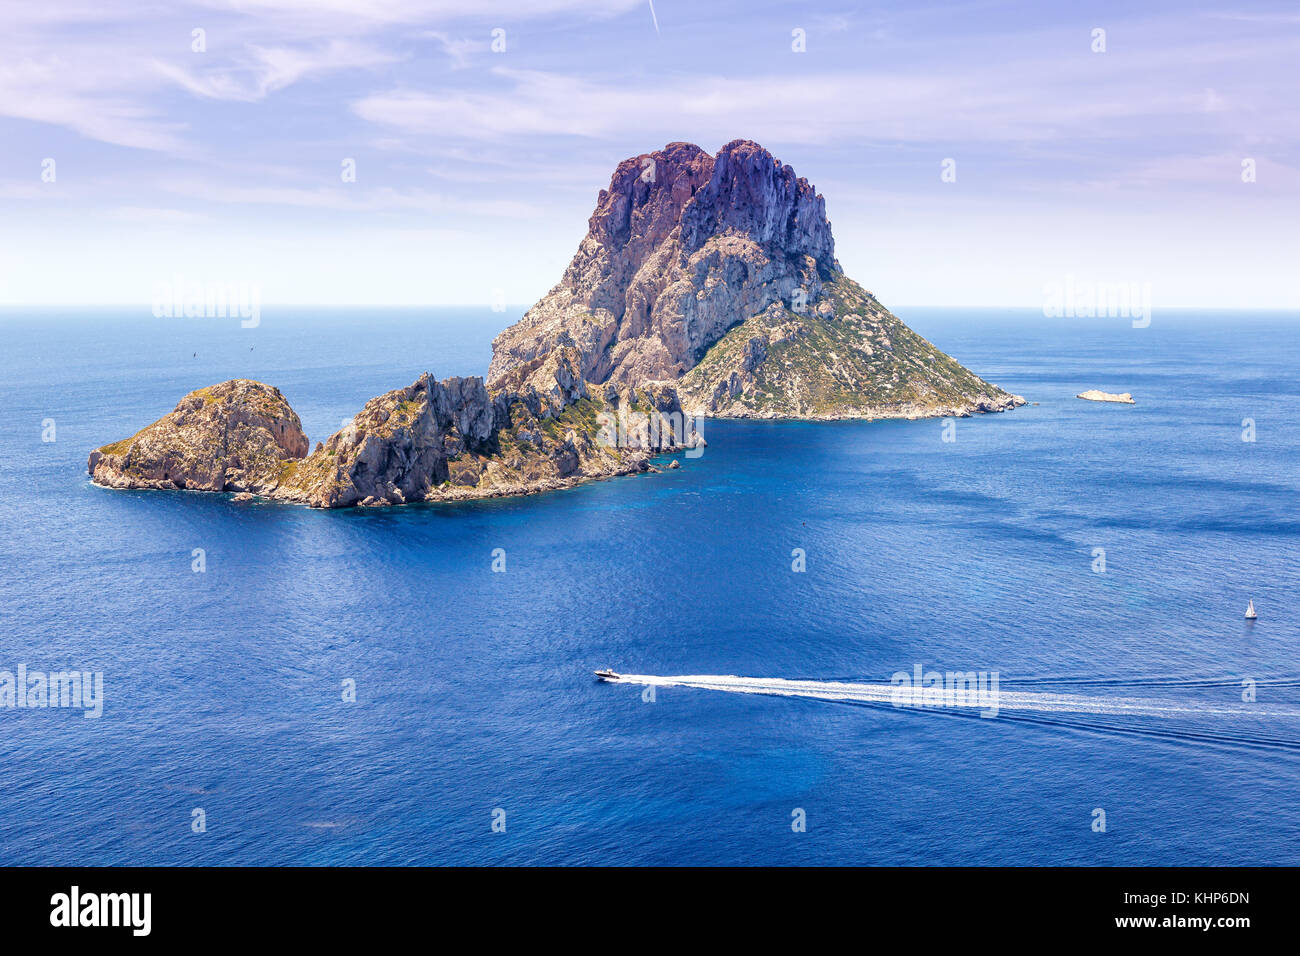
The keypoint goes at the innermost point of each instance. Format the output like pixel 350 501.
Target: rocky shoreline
pixel 881 413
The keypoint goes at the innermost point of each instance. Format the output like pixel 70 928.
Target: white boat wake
pixel 985 699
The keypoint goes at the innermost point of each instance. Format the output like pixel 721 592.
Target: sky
pixel 970 153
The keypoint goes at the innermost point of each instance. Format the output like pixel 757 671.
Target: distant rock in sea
pixel 1094 395
pixel 718 273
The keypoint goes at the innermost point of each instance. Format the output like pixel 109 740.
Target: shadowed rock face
pixel 720 272
pixel 435 441
pixel 236 436
pixel 397 447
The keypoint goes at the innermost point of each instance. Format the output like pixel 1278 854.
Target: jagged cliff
pixel 454 439
pixel 720 271
pixel 431 441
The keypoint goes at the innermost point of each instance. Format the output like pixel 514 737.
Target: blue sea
pixel 475 700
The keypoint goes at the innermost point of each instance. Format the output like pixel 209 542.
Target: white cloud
pixel 104 84
pixel 458 49
pixel 1046 96
pixel 75 92
pixel 262 70
pixel 820 108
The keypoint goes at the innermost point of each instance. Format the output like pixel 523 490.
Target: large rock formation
pixel 430 441
pixel 709 281
pixel 236 436
pixel 722 270
pixel 453 439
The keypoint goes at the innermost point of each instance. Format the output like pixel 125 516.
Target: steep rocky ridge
pixel 433 440
pixel 721 272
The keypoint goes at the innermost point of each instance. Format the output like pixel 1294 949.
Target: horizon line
pixel 148 306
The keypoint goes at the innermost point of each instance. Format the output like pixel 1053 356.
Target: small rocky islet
pixel 431 441
pixel 706 286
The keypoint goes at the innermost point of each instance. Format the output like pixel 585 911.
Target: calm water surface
pixel 223 689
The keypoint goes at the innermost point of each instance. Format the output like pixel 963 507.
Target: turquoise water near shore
pixel 474 688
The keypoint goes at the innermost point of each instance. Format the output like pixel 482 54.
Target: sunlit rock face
pixel 236 436
pixel 719 273
pixel 682 245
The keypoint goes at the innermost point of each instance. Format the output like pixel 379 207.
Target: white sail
pixel 1250 610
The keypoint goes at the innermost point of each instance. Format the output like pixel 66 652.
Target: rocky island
pixel 431 441
pixel 705 286
pixel 718 274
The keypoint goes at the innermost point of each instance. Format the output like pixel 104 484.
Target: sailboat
pixel 1250 611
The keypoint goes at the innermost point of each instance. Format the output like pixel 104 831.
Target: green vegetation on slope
pixel 843 356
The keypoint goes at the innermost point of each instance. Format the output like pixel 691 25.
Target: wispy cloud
pixel 74 92
pixel 262 70
pixel 459 49
pixel 1032 100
